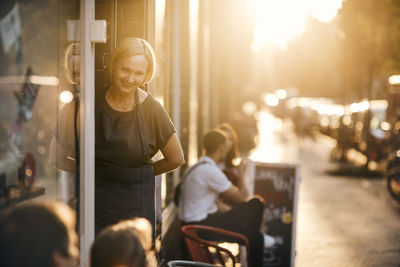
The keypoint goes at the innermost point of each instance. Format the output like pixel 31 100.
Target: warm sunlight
pixel 277 22
pixel 272 147
pixel 324 11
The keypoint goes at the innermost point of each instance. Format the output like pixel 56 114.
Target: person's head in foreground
pixel 38 235
pixel 125 244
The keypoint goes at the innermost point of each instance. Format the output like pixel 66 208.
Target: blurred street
pixel 342 220
pixel 311 90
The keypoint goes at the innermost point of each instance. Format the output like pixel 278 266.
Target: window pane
pixel 32 76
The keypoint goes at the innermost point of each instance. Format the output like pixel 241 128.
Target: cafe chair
pixel 182 263
pixel 211 252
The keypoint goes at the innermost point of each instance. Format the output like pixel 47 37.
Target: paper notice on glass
pixel 10 28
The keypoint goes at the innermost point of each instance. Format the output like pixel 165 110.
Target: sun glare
pixel 277 22
pixel 325 11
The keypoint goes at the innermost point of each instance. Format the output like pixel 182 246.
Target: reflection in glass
pixel 33 38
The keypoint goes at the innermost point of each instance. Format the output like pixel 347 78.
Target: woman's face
pixel 129 73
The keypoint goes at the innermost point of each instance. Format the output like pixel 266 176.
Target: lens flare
pixel 66 96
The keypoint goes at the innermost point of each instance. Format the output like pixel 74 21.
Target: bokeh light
pixel 66 96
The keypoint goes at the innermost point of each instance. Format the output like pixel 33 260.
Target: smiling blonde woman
pixel 131 127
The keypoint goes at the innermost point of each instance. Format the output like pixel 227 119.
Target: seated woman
pixel 227 165
pixel 125 244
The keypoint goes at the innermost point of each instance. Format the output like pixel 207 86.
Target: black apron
pixel 125 192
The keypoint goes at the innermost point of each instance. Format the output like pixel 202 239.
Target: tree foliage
pixel 370 44
pixel 310 62
pixel 349 58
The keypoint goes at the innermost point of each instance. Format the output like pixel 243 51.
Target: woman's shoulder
pixel 143 95
pixel 149 101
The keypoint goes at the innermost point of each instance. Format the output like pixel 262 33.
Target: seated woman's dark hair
pixel 233 152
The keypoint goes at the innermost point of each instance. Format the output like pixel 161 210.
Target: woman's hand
pixel 173 156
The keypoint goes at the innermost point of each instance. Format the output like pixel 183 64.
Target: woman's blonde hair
pixel 73 49
pixel 133 46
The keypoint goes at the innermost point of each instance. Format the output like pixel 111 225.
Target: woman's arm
pixel 173 156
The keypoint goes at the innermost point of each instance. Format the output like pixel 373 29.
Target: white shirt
pixel 200 191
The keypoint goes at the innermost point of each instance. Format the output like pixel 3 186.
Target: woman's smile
pixel 130 73
pixel 128 85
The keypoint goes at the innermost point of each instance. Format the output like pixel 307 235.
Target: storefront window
pixel 34 38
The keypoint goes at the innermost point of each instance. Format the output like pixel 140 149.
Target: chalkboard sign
pixel 277 184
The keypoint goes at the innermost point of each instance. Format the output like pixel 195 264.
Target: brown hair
pixel 213 139
pixel 126 243
pixel 30 234
pixel 233 152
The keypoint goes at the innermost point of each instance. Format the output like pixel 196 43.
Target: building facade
pixel 200 80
